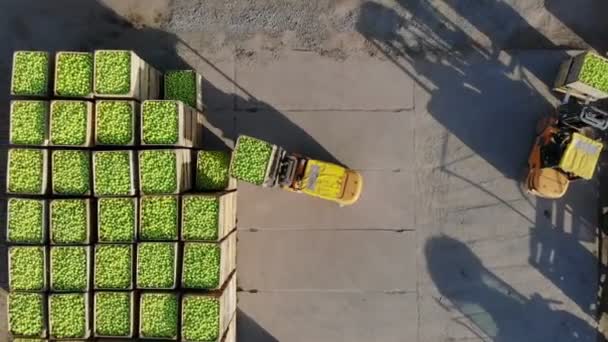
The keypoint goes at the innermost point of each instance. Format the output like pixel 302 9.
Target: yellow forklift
pixel 298 173
pixel 319 179
pixel 567 148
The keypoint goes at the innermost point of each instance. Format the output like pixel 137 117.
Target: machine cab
pixel 559 157
pixel 320 179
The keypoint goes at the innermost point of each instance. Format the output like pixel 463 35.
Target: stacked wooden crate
pixel 106 197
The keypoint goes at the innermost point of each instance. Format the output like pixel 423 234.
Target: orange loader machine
pixel 567 148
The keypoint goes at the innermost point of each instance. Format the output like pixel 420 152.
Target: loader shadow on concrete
pixel 248 330
pixel 474 95
pixel 85 25
pixel 488 306
pixel 585 18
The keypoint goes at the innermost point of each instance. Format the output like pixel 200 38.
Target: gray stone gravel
pixel 415 25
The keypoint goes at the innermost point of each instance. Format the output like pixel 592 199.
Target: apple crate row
pixel 115 173
pixel 82 123
pixel 102 74
pixel 157 265
pixel 188 218
pixel 166 315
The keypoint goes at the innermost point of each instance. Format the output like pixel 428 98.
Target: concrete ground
pixel 434 102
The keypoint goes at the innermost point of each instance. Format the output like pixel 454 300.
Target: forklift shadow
pixel 472 91
pixel 585 18
pixel 248 330
pixel 489 97
pixel 488 307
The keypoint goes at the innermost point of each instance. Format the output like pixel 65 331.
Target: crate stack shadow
pixel 120 224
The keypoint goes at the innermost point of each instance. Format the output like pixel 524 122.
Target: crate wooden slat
pixel 154 82
pixel 227 214
pixel 230 335
pixel 228 303
pixel 227 258
pixel 198 127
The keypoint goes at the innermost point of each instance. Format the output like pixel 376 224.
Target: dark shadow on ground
pixel 475 96
pixel 474 105
pixel 85 25
pixel 490 307
pixel 585 18
pixel 556 250
pixel 250 331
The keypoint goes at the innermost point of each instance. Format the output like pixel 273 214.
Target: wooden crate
pixel 568 79
pixel 132 316
pixel 226 215
pixel 45 321
pixel 187 126
pixel 45 267
pixel 89 137
pixel 135 227
pixel 184 173
pixel 90 183
pixel 88 309
pixel 88 96
pixel 48 75
pixel 45 172
pixel 132 167
pixel 89 223
pixel 145 80
pixel 227 259
pixel 273 163
pixel 198 88
pixel 134 115
pixel 46 122
pixel 44 223
pixel 227 301
pixel 176 264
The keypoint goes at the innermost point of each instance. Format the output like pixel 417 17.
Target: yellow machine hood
pixel 581 156
pixel 323 179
